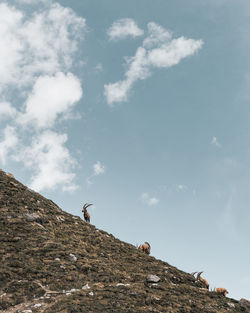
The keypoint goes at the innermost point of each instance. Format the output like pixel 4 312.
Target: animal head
pixel 145 247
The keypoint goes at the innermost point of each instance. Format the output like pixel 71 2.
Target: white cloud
pixel 98 168
pixel 159 50
pixel 146 199
pixel 51 96
pixel 215 142
pixel 11 47
pixel 99 67
pixel 157 36
pixel 36 59
pixel 8 143
pixel 123 28
pixel 7 110
pixel 51 162
pixel 182 187
pixel 41 44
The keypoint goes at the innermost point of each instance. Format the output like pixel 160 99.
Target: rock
pixel 74 258
pixel 120 284
pixel 37 305
pixel 86 287
pixel 153 278
pixel 91 293
pixel 231 305
pixel 245 302
pixel 33 217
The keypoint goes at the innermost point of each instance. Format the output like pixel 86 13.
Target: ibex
pixel 145 247
pixel 223 291
pixel 86 213
pixel 203 280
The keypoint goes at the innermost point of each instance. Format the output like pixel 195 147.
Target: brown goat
pixel 203 280
pixel 145 247
pixel 86 213
pixel 221 290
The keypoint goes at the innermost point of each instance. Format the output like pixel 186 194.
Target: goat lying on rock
pixel 86 213
pixel 223 291
pixel 145 247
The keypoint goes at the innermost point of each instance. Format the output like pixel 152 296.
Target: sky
pixel 143 109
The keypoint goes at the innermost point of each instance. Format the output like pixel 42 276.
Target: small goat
pixel 145 247
pixel 221 290
pixel 203 280
pixel 86 213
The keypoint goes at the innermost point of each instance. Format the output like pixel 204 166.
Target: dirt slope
pixel 52 261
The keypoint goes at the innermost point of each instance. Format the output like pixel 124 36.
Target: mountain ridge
pixel 52 261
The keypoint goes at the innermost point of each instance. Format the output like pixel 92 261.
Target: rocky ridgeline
pixel 52 261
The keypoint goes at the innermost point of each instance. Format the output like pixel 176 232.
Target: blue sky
pixel 142 108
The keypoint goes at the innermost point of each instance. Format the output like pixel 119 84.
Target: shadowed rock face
pixel 52 261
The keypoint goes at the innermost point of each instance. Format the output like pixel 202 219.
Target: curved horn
pixel 199 274
pixel 86 205
pixel 193 273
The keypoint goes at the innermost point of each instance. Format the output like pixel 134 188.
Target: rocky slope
pixel 52 261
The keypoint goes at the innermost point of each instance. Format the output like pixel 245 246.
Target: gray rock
pixel 245 302
pixel 85 287
pixel 153 278
pixel 74 258
pixel 33 217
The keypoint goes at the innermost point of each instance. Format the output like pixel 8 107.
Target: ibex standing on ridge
pixel 203 280
pixel 86 213
pixel 145 247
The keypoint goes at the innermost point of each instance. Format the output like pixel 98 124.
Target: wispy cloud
pixel 99 67
pixel 123 28
pixel 215 142
pixel 159 50
pixel 181 187
pixel 98 169
pixel 148 200
pixel 226 221
pixel 36 58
